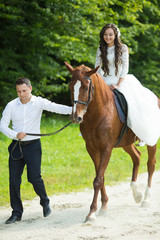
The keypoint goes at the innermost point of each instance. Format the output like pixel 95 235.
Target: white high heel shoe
pixel 141 144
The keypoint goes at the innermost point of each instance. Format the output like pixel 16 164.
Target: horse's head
pixel 81 88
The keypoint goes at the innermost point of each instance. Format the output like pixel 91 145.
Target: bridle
pixel 89 94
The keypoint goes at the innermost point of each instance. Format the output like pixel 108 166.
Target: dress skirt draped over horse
pixel 143 111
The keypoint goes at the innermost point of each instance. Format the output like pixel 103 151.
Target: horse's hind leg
pixel 135 154
pixel 151 167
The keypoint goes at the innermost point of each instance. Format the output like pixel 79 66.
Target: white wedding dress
pixel 143 111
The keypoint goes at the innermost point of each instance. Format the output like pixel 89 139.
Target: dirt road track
pixel 124 220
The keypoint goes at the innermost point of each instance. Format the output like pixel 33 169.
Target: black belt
pixel 23 143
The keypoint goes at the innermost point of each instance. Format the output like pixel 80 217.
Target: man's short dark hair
pixel 23 80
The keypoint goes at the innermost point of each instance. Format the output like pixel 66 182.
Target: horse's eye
pixel 86 88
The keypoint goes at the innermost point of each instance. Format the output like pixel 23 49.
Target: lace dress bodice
pixel 122 68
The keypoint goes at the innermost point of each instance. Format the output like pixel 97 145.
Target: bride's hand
pixel 113 86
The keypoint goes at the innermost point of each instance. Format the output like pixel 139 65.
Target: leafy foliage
pixel 38 36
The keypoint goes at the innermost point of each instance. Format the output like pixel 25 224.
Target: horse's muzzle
pixel 77 119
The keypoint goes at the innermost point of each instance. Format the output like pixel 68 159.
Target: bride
pixel 143 111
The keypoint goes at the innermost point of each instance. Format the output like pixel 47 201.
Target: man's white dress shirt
pixel 27 117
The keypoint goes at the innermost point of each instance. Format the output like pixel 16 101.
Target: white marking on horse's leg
pixel 103 212
pixel 76 93
pixel 91 218
pixel 136 193
pixel 147 198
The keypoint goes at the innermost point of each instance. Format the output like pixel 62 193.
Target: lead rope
pixel 34 134
pixel 20 149
pixel 48 134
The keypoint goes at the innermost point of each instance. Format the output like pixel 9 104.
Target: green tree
pixel 38 36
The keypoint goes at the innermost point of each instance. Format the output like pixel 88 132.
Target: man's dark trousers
pixel 29 154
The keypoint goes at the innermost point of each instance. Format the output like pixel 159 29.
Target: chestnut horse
pixel 94 108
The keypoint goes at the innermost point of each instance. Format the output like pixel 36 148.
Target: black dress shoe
pixel 13 219
pixel 46 210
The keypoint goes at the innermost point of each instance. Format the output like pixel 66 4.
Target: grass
pixel 66 165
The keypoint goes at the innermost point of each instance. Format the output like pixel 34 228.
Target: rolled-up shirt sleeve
pixel 5 122
pixel 125 62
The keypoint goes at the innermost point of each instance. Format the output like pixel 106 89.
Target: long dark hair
pixel 104 46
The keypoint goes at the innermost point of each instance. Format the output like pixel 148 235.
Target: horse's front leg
pixel 99 184
pixel 151 167
pixel 95 156
pixel 104 200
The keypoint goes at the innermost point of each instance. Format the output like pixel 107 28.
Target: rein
pixel 89 95
pixel 48 134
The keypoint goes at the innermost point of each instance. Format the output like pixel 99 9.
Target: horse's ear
pixel 69 67
pixel 91 72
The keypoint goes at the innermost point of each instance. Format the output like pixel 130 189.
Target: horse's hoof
pixel 136 193
pixel 90 219
pixel 145 204
pixel 138 197
pixel 102 213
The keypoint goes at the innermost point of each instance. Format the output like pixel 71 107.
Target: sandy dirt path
pixel 124 220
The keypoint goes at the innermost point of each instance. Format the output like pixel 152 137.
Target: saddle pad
pixel 121 105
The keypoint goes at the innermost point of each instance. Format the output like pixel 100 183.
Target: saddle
pixel 122 109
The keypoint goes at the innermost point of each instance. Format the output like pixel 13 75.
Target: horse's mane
pixel 99 83
pixel 104 90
